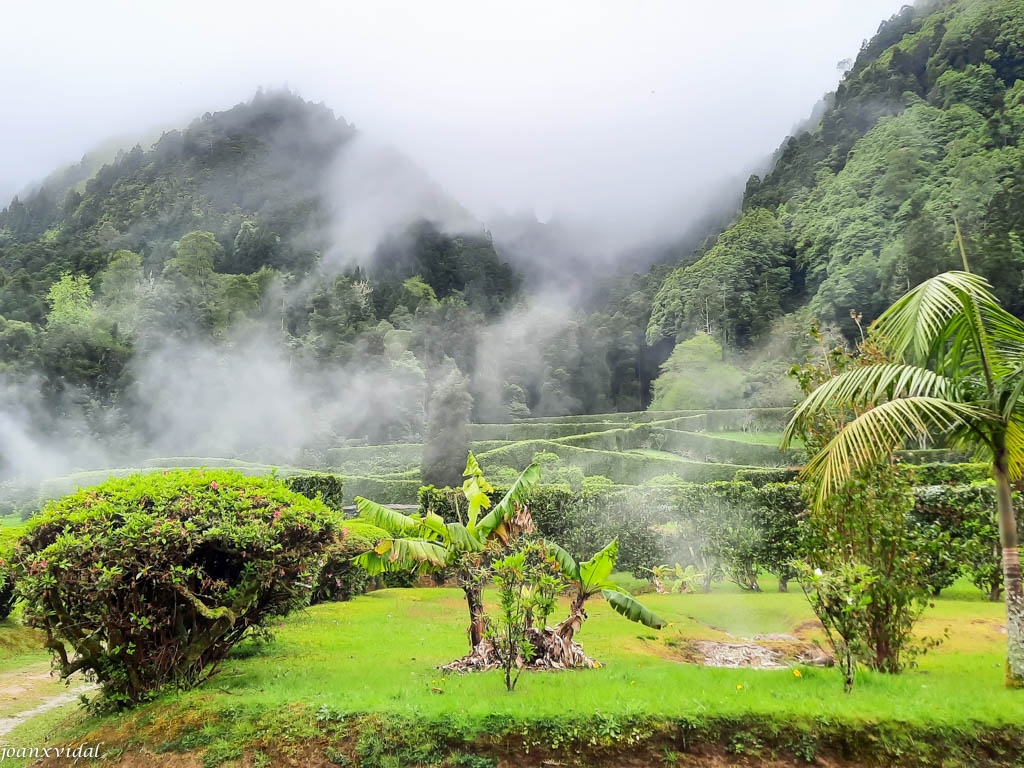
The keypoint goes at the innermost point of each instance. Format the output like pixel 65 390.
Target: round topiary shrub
pixel 341 579
pixel 148 581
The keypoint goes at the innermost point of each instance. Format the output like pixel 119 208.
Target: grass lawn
pixel 755 438
pixel 379 653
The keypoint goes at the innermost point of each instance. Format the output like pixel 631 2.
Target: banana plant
pixel 427 542
pixel 589 579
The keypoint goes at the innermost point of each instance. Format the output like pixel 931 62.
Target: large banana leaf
pixel 475 489
pixel 401 555
pixel 595 571
pixel 632 609
pixel 389 519
pixel 518 492
pixel 566 563
pixel 462 540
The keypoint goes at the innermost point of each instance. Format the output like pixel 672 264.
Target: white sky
pixel 624 112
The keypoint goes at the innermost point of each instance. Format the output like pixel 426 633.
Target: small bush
pixel 340 579
pixel 149 580
pixel 328 488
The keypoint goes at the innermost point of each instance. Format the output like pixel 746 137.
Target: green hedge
pixel 328 488
pixel 723 450
pixel 620 468
pixel 373 460
pixel 384 490
pixel 760 477
pixel 948 474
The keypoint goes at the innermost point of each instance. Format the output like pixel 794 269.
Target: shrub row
pixel 726 420
pixel 620 468
pixel 384 489
pixel 719 449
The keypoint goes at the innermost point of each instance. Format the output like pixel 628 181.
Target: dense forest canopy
pixel 199 295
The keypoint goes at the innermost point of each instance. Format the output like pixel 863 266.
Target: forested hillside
pixel 928 125
pixel 214 274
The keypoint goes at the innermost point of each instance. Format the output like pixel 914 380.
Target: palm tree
pixel 962 376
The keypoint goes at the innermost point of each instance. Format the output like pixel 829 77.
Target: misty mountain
pixel 281 183
pixel 925 128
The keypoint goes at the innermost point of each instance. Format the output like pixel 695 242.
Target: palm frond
pixel 876 433
pixel 867 385
pixel 916 324
pixel 1015 447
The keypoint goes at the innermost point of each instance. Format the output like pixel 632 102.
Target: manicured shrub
pixel 947 474
pixel 149 580
pixel 340 579
pixel 760 477
pixel 327 488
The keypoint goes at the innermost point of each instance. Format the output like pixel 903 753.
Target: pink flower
pixel 214 485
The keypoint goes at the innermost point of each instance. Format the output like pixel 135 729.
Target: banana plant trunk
pixel 477 623
pixel 1011 574
pixel 567 629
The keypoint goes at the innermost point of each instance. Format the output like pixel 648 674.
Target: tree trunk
pixel 477 624
pixel 1011 574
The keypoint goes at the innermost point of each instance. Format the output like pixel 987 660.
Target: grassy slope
pixel 379 654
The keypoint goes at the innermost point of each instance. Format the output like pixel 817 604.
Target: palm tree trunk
pixel 1011 574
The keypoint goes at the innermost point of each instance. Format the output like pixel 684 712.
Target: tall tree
pixel 963 377
pixel 447 434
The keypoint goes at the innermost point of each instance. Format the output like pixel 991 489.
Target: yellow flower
pixel 739 687
pixel 671 623
pixel 632 682
pixel 597 665
pixel 797 673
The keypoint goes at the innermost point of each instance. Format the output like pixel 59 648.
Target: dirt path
pixel 32 691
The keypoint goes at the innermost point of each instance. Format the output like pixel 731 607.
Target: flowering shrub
pixel 149 580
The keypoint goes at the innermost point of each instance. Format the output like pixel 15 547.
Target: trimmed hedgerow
pixel 148 581
pixel 721 449
pixel 761 477
pixel 384 489
pixel 947 474
pixel 621 468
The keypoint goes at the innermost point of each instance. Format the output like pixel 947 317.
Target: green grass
pixel 753 438
pixel 379 654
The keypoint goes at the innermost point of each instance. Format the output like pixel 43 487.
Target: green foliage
pixel 528 583
pixel 731 293
pixel 327 488
pixel 150 580
pixel 447 435
pixel 579 521
pixel 340 578
pixel 696 376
